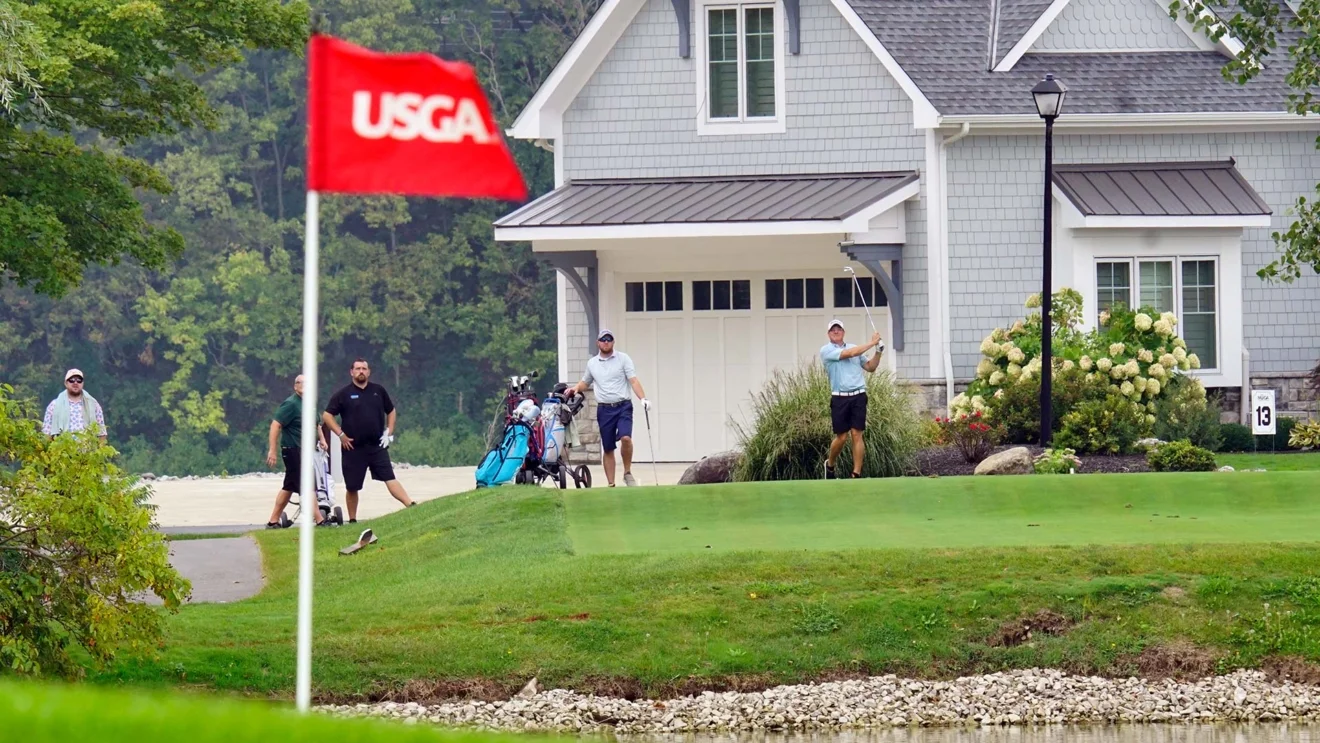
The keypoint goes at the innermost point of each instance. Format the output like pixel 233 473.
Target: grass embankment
pixel 1287 462
pixel 617 589
pixel 62 714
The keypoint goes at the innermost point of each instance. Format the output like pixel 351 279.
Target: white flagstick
pixel 307 481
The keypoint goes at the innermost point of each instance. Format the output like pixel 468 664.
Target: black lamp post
pixel 1049 94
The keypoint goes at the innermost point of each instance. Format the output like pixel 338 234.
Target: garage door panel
pixel 780 343
pixel 811 336
pixel 737 375
pixel 708 402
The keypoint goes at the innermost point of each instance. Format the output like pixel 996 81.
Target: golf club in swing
pixel 655 473
pixel 849 270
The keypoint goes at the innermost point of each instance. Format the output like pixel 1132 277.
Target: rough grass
pixel 1294 462
pixel 476 593
pixel 35 713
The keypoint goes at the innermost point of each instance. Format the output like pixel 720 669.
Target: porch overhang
pixel 742 206
pixel 1158 196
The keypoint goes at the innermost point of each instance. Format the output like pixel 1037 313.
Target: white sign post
pixel 1262 412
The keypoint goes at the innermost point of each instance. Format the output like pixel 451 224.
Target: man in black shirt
pixel 368 415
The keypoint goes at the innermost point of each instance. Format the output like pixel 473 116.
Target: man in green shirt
pixel 286 431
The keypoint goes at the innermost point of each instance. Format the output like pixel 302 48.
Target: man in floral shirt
pixel 73 410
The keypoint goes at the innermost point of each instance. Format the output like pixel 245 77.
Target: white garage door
pixel 705 344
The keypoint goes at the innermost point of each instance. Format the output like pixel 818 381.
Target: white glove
pixel 385 440
pixel 646 404
pixel 880 348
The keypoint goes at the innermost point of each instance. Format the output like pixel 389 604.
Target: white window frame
pixel 707 126
pixel 1134 292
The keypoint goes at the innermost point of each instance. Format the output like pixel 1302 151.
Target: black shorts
pixel 848 413
pixel 359 459
pixel 292 456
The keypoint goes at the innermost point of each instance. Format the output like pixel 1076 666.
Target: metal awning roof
pixel 1195 193
pixel 741 204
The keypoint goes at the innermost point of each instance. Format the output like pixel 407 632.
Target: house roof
pixel 709 200
pixel 945 46
pixel 1169 189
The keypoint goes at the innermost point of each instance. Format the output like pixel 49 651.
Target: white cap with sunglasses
pixel 70 374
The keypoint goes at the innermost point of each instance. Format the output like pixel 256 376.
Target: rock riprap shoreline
pixel 1031 697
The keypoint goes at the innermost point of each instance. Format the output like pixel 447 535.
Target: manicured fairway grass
pixel 1031 510
pixel 1292 462
pixel 34 713
pixel 802 580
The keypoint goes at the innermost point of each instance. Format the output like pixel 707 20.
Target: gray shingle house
pixel 718 162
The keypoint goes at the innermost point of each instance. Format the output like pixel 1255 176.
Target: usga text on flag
pixel 407 116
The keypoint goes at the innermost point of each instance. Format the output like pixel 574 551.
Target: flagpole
pixel 307 482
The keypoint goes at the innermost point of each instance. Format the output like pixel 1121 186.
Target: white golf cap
pixel 835 321
pixel 604 332
pixel 73 373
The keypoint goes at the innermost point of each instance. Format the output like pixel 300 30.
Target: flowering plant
pixel 973 436
pixel 1057 462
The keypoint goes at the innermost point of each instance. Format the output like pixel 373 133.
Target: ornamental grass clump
pixel 790 435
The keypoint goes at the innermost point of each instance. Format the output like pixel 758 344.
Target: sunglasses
pixel 75 380
pixel 607 339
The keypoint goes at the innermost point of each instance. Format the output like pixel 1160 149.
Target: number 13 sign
pixel 1262 412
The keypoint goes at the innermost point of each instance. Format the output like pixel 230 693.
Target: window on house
pixel 794 294
pixel 862 293
pixel 741 84
pixel 1113 281
pixel 722 295
pixel 653 296
pixel 1157 287
pixel 1198 311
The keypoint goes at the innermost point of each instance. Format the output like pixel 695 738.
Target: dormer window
pixel 740 83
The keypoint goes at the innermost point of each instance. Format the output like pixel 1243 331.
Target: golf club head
pixel 849 270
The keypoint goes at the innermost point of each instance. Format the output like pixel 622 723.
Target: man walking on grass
pixel 844 365
pixel 610 373
pixel 74 409
pixel 286 431
pixel 367 431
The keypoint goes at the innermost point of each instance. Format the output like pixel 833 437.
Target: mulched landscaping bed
pixel 946 461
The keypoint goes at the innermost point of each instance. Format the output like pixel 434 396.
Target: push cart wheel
pixel 562 476
pixel 284 521
pixel 338 518
pixel 583 476
pixel 520 478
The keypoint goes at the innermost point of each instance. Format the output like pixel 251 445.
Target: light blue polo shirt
pixel 609 376
pixel 845 374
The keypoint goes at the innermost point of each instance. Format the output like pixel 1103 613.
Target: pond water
pixel 1221 733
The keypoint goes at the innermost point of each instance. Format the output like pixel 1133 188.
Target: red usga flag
pixel 409 124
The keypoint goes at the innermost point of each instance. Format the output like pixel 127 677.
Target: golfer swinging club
pixel 844 365
pixel 610 373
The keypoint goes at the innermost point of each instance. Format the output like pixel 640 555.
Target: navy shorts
pixel 615 422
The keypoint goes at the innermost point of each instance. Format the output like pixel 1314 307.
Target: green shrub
pixel 1057 462
pixel 437 447
pixel 1283 431
pixel 1108 426
pixel 1305 435
pixel 1236 437
pixel 1017 406
pixel 1183 412
pixel 77 551
pixel 1181 456
pixel 791 435
pixel 970 434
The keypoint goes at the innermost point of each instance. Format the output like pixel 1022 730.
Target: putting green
pixel 1031 510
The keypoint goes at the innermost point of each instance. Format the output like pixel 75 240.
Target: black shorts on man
pixel 361 459
pixel 292 456
pixel 848 413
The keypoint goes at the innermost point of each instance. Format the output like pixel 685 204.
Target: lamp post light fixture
pixel 1048 94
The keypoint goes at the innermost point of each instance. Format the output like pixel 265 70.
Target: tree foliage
pixel 1267 30
pixel 109 72
pixel 77 550
pixel 191 357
